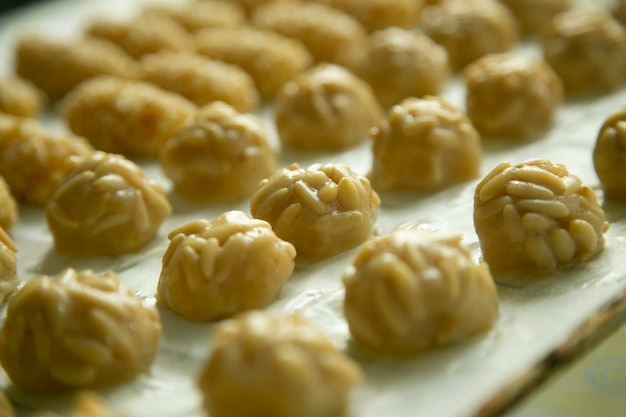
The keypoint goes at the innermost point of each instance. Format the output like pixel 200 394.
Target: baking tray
pixel 544 322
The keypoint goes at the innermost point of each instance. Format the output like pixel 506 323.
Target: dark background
pixel 6 5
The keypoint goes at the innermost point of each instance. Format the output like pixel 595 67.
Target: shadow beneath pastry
pixel 54 262
pixel 205 210
pixel 614 209
pixel 184 337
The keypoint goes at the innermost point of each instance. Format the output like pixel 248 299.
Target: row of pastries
pixel 177 86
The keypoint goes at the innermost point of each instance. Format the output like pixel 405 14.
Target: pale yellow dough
pixel 424 145
pixel 470 29
pixel 325 108
pixel 609 155
pixel 19 97
pixel 77 330
pixel 380 14
pixel 322 210
pixel 57 66
pixel 403 63
pixel 220 156
pixel 511 96
pixel 214 269
pixel 275 365
pixel 531 15
pixel 412 289
pixel 200 79
pixel 200 14
pixel 146 34
pixel 33 160
pixel 8 266
pixel 586 47
pixel 9 210
pixel 271 59
pixel 132 118
pixel 107 205
pixel 329 34
pixel 536 217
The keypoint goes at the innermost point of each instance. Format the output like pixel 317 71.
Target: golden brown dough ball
pixel 200 14
pixel 609 155
pixel 329 34
pixel 77 330
pixel 412 289
pixel 470 29
pixel 325 108
pixel 34 161
pixel 535 216
pixel 57 66
pixel 222 155
pixel 212 270
pixel 106 206
pixel 531 15
pixel 380 14
pixel 282 365
pixel 322 210
pixel 402 63
pixel 9 210
pixel 587 49
pixel 424 145
pixel 132 118
pixel 8 266
pixel 271 59
pixel 20 97
pixel 144 35
pixel 510 95
pixel 200 79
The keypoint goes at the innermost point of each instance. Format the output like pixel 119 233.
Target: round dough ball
pixel 9 210
pixel 380 14
pixel 200 79
pixel 322 210
pixel 222 155
pixel 470 29
pixel 8 266
pixel 587 49
pixel 132 118
pixel 531 15
pixel 282 365
pixel 535 216
pixel 511 95
pixel 20 97
pixel 215 269
pixel 271 59
pixel 402 63
pixel 56 66
pixel 34 161
pixel 77 330
pixel 609 155
pixel 106 206
pixel 424 145
pixel 197 15
pixel 325 108
pixel 147 34
pixel 329 34
pixel 413 289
